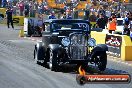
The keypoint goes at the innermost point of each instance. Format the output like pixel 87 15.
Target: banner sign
pixel 114 45
pixel 18 20
pixel 3 11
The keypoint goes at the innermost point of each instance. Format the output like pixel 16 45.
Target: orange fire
pixel 81 71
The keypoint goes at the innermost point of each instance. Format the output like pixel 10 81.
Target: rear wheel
pixel 53 65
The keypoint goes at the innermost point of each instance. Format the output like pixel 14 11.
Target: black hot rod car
pixel 69 42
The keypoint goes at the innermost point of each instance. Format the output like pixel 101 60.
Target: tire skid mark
pixel 16 50
pixel 7 43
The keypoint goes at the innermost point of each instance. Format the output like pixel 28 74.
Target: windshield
pixel 72 26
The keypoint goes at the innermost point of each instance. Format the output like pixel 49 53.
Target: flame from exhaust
pixel 81 71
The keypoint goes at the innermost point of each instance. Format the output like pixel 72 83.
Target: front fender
pixel 39 45
pixel 57 48
pixel 100 47
pixel 39 50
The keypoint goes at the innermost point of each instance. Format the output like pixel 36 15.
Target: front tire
pixel 101 60
pixel 53 65
pixel 35 57
pixel 39 54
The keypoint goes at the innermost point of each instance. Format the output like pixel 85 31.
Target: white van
pixel 120 24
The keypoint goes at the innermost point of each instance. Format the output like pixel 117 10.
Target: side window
pixel 47 27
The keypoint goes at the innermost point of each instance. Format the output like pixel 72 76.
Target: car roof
pixel 68 21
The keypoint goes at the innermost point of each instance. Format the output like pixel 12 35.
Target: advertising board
pixel 114 45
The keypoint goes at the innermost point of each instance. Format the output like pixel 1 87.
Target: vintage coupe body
pixel 69 42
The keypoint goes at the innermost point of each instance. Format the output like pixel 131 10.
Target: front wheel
pixel 101 60
pixel 36 57
pixel 53 65
pixel 39 55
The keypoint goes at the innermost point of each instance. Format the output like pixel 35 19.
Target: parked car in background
pixel 120 24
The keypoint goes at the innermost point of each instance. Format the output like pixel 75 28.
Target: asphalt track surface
pixel 18 70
